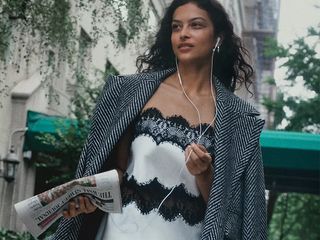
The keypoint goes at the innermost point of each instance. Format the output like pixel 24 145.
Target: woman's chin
pixel 187 60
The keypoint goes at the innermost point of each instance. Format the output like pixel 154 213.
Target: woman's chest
pixel 172 101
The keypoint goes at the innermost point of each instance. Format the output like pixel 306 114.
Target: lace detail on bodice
pixel 148 196
pixel 174 129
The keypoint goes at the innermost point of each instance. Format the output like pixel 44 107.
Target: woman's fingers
pixel 89 206
pixel 70 211
pixel 201 147
pixel 73 208
pixel 198 159
pixel 201 153
pixel 77 206
pixel 195 162
pixel 66 214
pixel 82 206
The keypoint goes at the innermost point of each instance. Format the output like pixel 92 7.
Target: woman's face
pixel 192 35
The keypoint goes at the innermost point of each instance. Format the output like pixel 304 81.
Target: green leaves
pixel 135 19
pixel 54 25
pixel 295 217
pixel 49 21
pixel 131 22
pixel 304 62
pixel 11 235
pixel 5 33
pixel 306 113
pixel 274 50
pixel 301 60
pixel 276 107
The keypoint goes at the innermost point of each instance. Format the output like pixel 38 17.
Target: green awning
pixel 39 124
pixel 291 161
pixel 290 150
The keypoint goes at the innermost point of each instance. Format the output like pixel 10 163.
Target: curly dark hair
pixel 230 64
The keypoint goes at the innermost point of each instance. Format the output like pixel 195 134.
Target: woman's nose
pixel 184 33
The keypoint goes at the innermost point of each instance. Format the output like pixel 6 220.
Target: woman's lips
pixel 185 47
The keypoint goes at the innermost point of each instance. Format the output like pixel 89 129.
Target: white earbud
pixel 217 43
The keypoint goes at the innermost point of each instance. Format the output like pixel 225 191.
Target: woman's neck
pixel 195 78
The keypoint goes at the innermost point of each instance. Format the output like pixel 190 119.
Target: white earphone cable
pixel 198 112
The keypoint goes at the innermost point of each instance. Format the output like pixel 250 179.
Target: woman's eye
pixel 196 25
pixel 175 27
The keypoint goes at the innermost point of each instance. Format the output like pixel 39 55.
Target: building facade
pixel 260 24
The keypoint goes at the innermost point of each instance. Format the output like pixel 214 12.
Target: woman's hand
pixel 77 206
pixel 199 164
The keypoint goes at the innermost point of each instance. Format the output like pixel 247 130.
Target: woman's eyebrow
pixel 190 20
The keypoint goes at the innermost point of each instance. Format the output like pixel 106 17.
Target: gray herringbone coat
pixel 236 207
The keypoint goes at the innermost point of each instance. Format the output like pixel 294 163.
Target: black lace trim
pixel 175 129
pixel 148 197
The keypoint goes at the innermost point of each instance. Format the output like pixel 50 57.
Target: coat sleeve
pixel 254 208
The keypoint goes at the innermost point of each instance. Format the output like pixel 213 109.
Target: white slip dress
pixel 156 166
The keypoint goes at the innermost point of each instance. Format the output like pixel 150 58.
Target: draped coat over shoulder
pixel 236 207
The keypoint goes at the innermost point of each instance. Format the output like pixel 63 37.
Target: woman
pixel 187 146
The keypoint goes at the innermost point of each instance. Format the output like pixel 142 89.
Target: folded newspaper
pixel 39 212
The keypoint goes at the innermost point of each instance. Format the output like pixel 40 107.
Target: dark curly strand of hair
pixel 230 64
